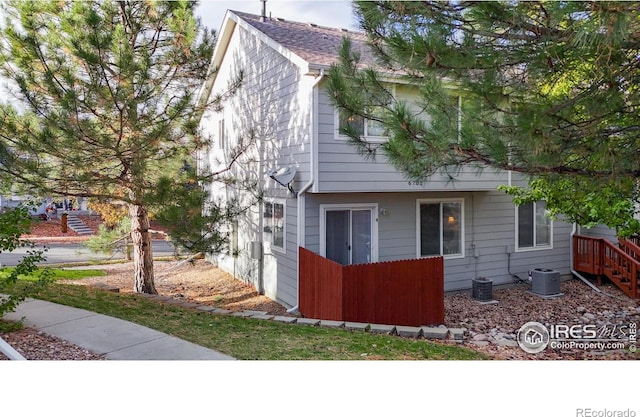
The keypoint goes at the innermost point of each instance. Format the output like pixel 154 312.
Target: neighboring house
pixel 12 201
pixel 347 208
pixel 39 206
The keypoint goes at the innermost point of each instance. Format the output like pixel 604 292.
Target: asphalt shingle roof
pixel 315 44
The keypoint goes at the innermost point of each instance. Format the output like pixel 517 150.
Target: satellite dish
pixel 284 176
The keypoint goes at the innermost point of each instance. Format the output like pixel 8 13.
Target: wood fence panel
pixel 359 293
pixel 320 286
pixel 408 292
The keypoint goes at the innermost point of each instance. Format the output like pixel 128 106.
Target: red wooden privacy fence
pixel 408 292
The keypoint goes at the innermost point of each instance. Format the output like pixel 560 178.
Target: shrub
pixel 13 223
pixel 110 239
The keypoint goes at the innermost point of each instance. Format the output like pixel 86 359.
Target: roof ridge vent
pixel 344 30
pixel 279 19
pixel 313 25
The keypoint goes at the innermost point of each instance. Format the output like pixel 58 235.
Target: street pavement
pixel 76 252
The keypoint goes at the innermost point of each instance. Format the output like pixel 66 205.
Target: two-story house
pixel 339 204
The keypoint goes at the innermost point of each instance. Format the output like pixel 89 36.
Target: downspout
pixel 313 137
pixel 260 286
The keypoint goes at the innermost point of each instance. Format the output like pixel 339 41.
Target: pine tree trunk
pixel 142 250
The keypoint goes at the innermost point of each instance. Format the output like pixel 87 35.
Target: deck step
pixel 601 257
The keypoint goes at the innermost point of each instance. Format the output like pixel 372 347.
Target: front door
pixel 349 235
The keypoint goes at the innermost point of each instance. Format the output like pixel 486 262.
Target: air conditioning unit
pixel 482 289
pixel 545 282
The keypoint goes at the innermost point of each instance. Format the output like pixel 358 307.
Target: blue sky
pixel 332 13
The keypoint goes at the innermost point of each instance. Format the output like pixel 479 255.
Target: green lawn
pixel 245 338
pixel 56 273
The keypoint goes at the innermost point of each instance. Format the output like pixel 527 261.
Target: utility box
pixel 255 250
pixel 545 281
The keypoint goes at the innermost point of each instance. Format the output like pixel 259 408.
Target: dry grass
pixel 198 282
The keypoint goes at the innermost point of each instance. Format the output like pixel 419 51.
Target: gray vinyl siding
pixel 489 227
pixel 287 269
pixel 274 102
pixel 338 160
pixel 600 231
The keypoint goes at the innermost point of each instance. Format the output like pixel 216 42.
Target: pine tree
pixel 548 89
pixel 104 102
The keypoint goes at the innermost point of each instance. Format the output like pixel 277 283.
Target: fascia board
pixel 230 21
pixel 224 37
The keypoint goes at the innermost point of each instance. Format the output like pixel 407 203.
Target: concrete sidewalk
pixel 115 338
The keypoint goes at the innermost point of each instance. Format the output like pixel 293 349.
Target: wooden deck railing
pixel 587 254
pixel 630 247
pixel 600 257
pixel 408 292
pixel 634 239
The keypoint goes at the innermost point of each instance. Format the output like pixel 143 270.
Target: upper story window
pixel 534 226
pixel 440 227
pixel 368 128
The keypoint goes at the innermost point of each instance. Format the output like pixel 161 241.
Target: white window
pixel 274 224
pixel 368 129
pixel 534 229
pixel 440 228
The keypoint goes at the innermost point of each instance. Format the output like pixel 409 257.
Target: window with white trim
pixel 440 228
pixel 349 232
pixel 368 129
pixel 534 226
pixel 274 224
